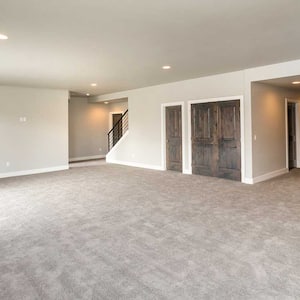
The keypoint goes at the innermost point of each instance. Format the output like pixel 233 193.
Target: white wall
pixel 40 143
pixel 143 144
pixel 27 145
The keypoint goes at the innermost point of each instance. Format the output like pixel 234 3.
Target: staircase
pixel 118 130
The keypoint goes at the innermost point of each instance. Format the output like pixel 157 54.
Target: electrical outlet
pixel 22 119
pixel 7 163
pixel 100 149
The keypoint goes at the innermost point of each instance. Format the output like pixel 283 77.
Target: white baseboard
pixel 134 164
pixel 73 159
pixel 270 175
pixel 247 180
pixel 187 171
pixel 34 171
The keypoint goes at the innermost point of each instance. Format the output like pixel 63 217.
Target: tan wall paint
pixel 269 127
pixel 42 141
pixel 88 127
pixel 119 107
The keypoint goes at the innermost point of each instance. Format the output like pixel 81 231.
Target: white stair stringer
pixel 111 155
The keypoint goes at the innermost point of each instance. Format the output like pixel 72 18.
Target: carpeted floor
pixel 115 232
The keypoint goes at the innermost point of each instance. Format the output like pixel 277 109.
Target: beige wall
pixel 88 127
pixel 41 142
pixel 118 107
pixel 269 127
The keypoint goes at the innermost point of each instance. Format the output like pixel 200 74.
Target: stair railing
pixel 118 130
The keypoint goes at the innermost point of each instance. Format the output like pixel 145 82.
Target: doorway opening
pixel 117 127
pixel 291 135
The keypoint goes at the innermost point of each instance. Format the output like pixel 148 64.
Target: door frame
pixel 297 109
pixel 163 134
pixel 110 119
pixel 242 129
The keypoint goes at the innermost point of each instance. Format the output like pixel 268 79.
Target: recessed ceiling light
pixel 105 102
pixel 296 82
pixel 93 84
pixel 166 67
pixel 87 94
pixel 3 37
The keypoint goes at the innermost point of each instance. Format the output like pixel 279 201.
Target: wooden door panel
pixel 202 159
pixel 229 168
pixel 202 118
pixel 216 149
pixel 229 164
pixel 203 138
pixel 174 138
pixel 174 158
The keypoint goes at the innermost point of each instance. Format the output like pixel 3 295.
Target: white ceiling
pixel 122 44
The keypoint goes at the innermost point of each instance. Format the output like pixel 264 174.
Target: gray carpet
pixel 115 232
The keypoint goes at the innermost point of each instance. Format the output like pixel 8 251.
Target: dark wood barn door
pixel 292 135
pixel 229 142
pixel 173 138
pixel 204 139
pixel 216 146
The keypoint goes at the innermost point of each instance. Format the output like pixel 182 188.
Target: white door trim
pixel 163 133
pixel 110 119
pixel 242 124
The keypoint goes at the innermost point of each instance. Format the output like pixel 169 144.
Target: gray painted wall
pixel 269 127
pixel 89 124
pixel 143 145
pixel 42 141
